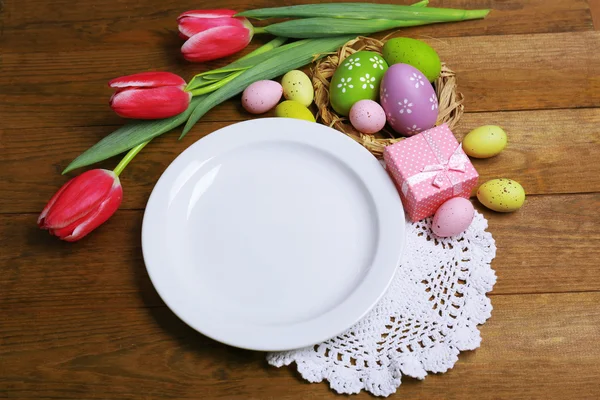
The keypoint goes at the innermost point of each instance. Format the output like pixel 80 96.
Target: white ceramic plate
pixel 273 234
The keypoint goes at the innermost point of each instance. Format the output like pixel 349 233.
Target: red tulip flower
pixel 82 205
pixel 149 95
pixel 213 34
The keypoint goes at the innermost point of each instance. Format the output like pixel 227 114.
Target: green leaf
pixel 204 80
pixel 327 27
pixel 289 58
pixel 243 63
pixel 129 136
pixel 365 11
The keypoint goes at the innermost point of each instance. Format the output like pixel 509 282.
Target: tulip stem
pixel 217 85
pixel 128 157
pixel 258 30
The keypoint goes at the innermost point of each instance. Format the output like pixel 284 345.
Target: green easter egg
pixel 357 78
pixel 413 52
pixel 293 109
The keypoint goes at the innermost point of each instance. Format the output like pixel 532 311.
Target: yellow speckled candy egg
pixel 502 195
pixel 298 87
pixel 485 141
pixel 293 109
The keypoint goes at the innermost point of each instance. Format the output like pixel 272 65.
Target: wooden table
pixel 82 320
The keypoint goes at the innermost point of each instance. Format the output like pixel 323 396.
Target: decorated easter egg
pixel 502 195
pixel 485 141
pixel 298 87
pixel 408 99
pixel 413 52
pixel 453 217
pixel 293 109
pixel 367 116
pixel 261 96
pixel 358 77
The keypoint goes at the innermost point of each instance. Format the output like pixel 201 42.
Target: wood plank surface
pixel 533 346
pixel 496 73
pixel 595 12
pixel 543 151
pixel 538 249
pixel 83 321
pixel 35 25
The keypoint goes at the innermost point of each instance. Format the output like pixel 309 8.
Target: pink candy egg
pixel 261 96
pixel 408 99
pixel 453 217
pixel 367 116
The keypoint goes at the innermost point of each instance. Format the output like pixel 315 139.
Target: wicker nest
pixel 450 100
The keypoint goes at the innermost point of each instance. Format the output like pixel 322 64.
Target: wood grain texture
pixel 543 154
pixel 35 25
pixel 512 72
pixel 83 321
pixel 594 6
pixel 551 245
pixel 534 347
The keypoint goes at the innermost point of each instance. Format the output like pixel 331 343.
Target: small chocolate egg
pixel 485 141
pixel 453 217
pixel 367 116
pixel 298 87
pixel 261 96
pixel 502 195
pixel 293 109
pixel 409 100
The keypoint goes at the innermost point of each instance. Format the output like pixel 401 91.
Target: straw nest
pixel 450 100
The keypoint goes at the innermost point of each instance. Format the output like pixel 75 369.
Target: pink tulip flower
pixel 149 95
pixel 213 34
pixel 82 204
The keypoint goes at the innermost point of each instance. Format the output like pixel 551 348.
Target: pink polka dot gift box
pixel 428 169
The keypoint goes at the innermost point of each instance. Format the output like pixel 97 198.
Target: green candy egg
pixel 293 109
pixel 502 195
pixel 413 52
pixel 485 141
pixel 357 78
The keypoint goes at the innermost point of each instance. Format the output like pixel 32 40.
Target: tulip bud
pixel 82 205
pixel 213 34
pixel 149 95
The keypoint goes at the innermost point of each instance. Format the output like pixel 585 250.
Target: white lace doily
pixel 429 314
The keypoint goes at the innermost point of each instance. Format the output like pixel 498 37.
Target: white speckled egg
pixel 261 96
pixel 409 100
pixel 453 217
pixel 367 116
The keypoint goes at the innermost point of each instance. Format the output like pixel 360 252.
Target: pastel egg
pixel 453 217
pixel 409 100
pixel 502 195
pixel 298 87
pixel 367 116
pixel 357 78
pixel 485 141
pixel 413 52
pixel 293 109
pixel 261 96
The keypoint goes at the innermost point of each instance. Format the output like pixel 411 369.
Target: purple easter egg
pixel 408 99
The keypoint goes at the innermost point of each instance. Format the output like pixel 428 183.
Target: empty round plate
pixel 273 234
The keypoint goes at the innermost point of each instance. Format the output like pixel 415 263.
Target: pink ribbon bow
pixel 440 171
